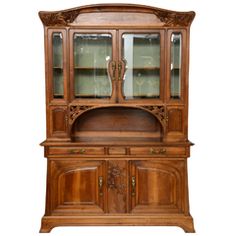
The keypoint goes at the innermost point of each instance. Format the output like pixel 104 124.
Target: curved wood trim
pixel 166 17
pixel 157 111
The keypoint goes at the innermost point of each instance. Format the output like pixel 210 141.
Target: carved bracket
pixel 159 112
pixel 76 110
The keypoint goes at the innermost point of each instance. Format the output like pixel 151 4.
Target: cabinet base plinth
pixel 185 222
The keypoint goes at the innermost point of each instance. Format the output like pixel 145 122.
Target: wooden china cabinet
pixel 117 116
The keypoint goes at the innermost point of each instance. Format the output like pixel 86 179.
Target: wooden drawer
pixel 117 151
pixel 158 151
pixel 76 150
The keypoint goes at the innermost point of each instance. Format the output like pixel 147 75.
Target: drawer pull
pixel 158 151
pixel 133 184
pixel 162 151
pixel 153 151
pixel 100 184
pixel 80 151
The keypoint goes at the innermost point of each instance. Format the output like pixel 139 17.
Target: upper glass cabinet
pixel 141 56
pixel 57 64
pixel 92 54
pixel 175 65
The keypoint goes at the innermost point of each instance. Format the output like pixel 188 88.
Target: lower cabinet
pixel 115 186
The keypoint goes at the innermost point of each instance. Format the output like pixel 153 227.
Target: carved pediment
pixel 124 12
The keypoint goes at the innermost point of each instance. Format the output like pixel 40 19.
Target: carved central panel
pixel 117 186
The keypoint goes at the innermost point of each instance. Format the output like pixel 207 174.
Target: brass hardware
pixel 159 151
pixel 162 151
pixel 73 151
pixel 100 184
pixel 153 151
pixel 119 70
pixel 113 67
pixel 133 184
pixel 80 151
pixel 167 118
pixel 66 121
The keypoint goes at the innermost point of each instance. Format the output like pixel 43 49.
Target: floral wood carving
pixel 158 111
pixel 58 18
pixel 75 111
pixel 175 18
pixel 116 177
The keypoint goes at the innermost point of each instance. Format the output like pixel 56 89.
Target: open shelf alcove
pixel 116 123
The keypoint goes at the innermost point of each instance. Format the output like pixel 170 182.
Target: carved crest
pixel 174 18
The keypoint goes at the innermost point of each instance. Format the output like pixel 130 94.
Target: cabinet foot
pixel 46 225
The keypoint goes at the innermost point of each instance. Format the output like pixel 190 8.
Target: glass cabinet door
pixel 57 65
pixel 175 65
pixel 141 54
pixel 92 54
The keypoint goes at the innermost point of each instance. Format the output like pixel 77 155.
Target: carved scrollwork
pixel 158 111
pixel 116 178
pixel 58 18
pixel 76 110
pixel 175 18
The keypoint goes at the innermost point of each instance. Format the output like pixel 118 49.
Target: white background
pixel 211 120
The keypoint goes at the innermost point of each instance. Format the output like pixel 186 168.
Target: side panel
pixel 58 121
pixel 176 123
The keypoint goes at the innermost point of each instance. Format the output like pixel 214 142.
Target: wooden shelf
pixel 91 96
pixel 144 68
pixel 89 68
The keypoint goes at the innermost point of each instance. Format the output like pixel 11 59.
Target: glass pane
pixel 141 53
pixel 92 53
pixel 175 84
pixel 57 61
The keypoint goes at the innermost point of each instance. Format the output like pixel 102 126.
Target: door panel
pixel 77 185
pixel 176 66
pixel 156 186
pixel 93 65
pixel 141 66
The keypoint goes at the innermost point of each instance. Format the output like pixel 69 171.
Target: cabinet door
pixel 76 186
pixel 156 186
pixel 56 70
pixel 176 66
pixel 141 66
pixel 92 65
